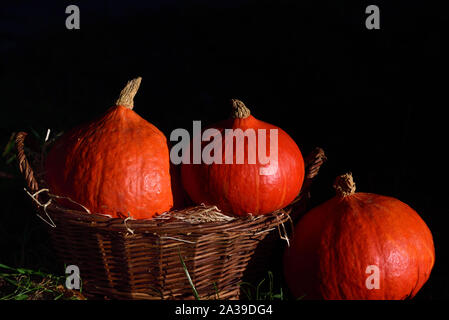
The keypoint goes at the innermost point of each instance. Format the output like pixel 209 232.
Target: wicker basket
pixel 143 259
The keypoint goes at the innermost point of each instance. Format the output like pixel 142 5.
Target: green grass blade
pixel 258 297
pixel 195 293
pixel 217 293
pixel 9 147
pixel 6 267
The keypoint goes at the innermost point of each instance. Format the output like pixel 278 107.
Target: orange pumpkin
pixel 359 246
pixel 242 188
pixel 117 164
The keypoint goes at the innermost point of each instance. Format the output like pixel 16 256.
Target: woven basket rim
pixel 95 220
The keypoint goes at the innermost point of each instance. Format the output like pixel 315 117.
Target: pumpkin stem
pixel 239 110
pixel 126 97
pixel 344 185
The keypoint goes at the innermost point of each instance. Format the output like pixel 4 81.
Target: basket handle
pixel 24 165
pixel 313 163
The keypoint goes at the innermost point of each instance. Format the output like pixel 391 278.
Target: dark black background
pixel 372 99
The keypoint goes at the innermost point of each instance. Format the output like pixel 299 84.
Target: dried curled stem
pixel 344 185
pixel 239 110
pixel 126 97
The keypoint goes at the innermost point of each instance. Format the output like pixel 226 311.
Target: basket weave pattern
pixel 142 259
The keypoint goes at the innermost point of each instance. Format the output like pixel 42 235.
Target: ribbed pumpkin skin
pixel 117 165
pixel 240 188
pixel 335 242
